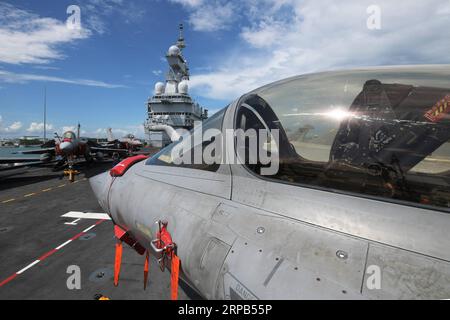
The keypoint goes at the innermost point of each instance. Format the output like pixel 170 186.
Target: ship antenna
pixel 180 43
pixel 45 114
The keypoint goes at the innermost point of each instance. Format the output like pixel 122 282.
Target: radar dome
pixel 159 88
pixel 174 51
pixel 183 87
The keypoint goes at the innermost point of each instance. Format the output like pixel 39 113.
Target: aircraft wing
pixel 22 165
pixel 110 143
pixel 39 151
pixel 108 149
pixel 19 160
pixel 49 144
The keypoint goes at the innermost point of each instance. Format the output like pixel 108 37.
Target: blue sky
pixel 103 74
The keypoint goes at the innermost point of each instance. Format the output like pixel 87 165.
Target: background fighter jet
pixel 66 149
pixel 129 142
pixel 10 163
pixel 358 208
pixel 14 162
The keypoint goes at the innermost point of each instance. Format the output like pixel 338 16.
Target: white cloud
pixel 27 38
pixel 16 126
pixel 41 67
pixel 210 16
pixel 12 128
pixel 188 3
pixel 36 127
pixel 10 77
pixel 295 37
pixel 266 34
pixel 96 24
pixel 97 13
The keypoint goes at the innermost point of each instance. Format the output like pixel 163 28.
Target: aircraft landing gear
pixel 71 172
pixel 116 157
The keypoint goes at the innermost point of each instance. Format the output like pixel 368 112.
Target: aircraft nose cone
pixel 100 185
pixel 66 147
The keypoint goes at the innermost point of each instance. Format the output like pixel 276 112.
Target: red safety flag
pixel 146 265
pixel 117 262
pixel 175 269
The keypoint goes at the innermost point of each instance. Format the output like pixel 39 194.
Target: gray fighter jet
pixel 66 148
pixel 129 142
pixel 347 195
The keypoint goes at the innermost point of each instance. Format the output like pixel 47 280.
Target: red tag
pixel 146 267
pixel 440 109
pixel 175 269
pixel 119 232
pixel 117 262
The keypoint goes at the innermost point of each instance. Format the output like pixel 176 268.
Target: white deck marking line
pixel 91 227
pixel 73 223
pixel 45 256
pixel 63 245
pixel 28 267
pixel 86 215
pixel 10 200
pixel 29 195
pixel 47 190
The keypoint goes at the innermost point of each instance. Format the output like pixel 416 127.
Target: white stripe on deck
pixel 86 215
pixel 29 266
pixel 73 223
pixel 91 227
pixel 64 244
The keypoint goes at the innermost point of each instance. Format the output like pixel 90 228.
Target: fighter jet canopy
pixel 69 135
pixel 383 132
pixel 375 132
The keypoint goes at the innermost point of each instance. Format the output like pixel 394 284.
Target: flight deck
pixel 38 247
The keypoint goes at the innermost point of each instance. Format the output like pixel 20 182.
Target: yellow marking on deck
pixel 29 195
pixel 43 191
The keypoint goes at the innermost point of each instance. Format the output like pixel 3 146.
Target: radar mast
pixel 171 107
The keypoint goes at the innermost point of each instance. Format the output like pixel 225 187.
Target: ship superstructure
pixel 171 107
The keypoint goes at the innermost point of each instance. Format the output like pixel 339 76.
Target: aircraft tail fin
pixel 110 135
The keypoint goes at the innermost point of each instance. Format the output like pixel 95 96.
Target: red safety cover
pixel 125 236
pixel 119 232
pixel 165 238
pixel 120 169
